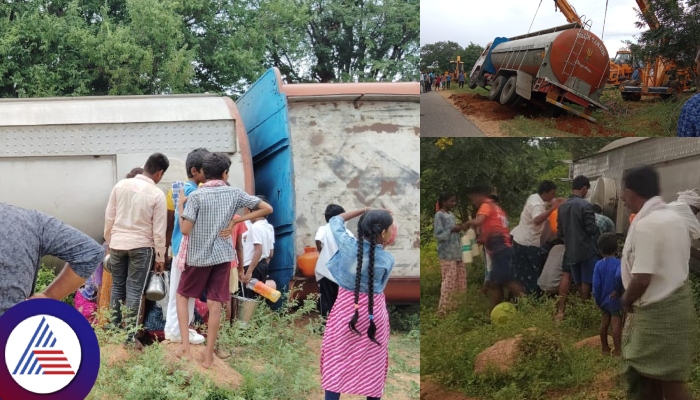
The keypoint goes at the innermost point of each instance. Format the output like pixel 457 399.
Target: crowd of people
pixel 194 238
pixel 428 80
pixel 560 245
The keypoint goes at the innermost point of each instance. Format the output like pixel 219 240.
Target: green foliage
pixel 45 276
pixel 650 117
pixel 273 355
pixel 444 52
pixel 514 167
pixel 90 47
pixel 547 367
pixel 342 41
pixel 677 36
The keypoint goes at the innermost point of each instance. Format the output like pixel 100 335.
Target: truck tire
pixel 472 80
pixel 508 94
pixel 496 87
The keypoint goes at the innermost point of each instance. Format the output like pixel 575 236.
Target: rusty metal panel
pixel 358 154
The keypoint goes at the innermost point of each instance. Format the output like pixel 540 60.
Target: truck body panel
pixel 675 159
pixel 327 143
pixel 566 64
pixel 62 156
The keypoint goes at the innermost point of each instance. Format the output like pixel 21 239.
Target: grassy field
pixel 548 367
pixel 649 117
pixel 277 357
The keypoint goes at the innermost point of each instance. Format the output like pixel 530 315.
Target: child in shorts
pixel 607 291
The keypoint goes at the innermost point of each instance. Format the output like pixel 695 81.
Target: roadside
pixel 486 120
pixel 649 117
pixel 439 119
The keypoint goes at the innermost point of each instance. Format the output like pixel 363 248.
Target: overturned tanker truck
pixel 553 69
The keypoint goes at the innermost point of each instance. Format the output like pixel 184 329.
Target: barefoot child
pixel 607 290
pixel 355 348
pixel 206 256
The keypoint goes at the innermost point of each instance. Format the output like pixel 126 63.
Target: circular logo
pixel 51 352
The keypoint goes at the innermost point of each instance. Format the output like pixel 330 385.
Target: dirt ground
pixel 432 391
pixel 489 115
pixel 398 385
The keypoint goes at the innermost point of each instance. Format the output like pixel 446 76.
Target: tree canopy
pixel 677 36
pixel 444 52
pixel 117 47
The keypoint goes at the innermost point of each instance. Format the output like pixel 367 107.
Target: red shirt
pixel 239 229
pixel 495 224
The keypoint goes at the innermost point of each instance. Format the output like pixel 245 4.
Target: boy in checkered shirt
pixel 208 255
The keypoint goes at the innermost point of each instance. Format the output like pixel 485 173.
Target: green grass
pixel 465 89
pixel 277 356
pixel 522 126
pixel 648 117
pixel 549 367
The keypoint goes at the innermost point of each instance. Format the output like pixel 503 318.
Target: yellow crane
pixel 659 77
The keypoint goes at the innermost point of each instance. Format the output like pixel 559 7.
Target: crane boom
pixel 568 11
pixel 649 17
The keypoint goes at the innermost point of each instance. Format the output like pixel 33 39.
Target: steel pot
pixel 155 289
pixel 106 265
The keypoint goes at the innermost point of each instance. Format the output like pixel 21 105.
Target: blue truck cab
pixel 483 66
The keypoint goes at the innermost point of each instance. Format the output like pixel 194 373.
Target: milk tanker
pixel 554 69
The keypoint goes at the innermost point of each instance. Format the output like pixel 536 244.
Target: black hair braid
pixel 358 275
pixel 370 300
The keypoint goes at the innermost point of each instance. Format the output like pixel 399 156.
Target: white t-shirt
pixel 325 236
pixel 527 233
pixel 660 246
pixel 271 230
pixel 248 246
pixel 690 219
pixel 259 232
pixel 263 236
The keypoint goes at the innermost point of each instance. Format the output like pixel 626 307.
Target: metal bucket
pixel 243 309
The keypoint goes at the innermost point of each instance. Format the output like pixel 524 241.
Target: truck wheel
pixel 473 79
pixel 496 87
pixel 508 95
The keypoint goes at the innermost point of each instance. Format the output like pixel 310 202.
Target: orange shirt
pixel 496 222
pixel 553 221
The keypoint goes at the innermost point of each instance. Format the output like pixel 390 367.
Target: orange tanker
pixel 554 69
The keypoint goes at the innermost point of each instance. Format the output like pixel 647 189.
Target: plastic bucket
pixel 243 309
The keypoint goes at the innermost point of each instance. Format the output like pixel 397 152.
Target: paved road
pixel 438 118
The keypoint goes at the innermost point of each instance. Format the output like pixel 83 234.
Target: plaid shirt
pixel 211 209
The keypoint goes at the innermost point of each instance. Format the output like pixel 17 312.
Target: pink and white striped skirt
pixel 352 363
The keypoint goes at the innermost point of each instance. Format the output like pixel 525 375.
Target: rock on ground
pixel 501 356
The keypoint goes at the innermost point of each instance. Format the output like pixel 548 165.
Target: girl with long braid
pixel 355 349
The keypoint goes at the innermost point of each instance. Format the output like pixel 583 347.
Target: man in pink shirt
pixel 135 226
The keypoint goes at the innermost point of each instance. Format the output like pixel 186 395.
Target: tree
pixel 677 36
pixel 440 52
pixel 117 47
pixel 470 54
pixel 444 52
pixel 342 40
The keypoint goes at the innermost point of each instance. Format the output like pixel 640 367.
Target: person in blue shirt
pixel 637 75
pixel 689 120
pixel 195 175
pixel 607 291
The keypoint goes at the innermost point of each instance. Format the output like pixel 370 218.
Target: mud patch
pixel 488 116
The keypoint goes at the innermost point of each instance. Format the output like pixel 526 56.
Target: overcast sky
pixel 481 21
